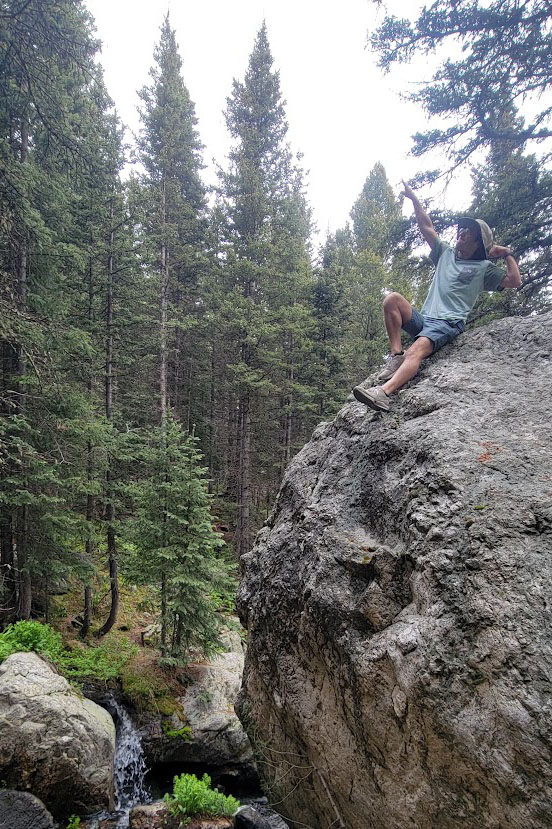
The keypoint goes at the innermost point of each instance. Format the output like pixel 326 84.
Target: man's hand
pixel 407 191
pixel 499 252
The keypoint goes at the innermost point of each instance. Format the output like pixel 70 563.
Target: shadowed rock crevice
pixel 398 602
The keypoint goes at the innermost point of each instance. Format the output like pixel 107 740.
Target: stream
pixel 129 772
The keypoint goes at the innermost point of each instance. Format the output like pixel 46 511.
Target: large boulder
pixel 398 602
pixel 53 743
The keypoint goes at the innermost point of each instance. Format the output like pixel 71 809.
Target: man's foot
pixel 393 362
pixel 375 398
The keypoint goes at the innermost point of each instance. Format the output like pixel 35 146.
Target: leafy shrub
pixel 74 822
pixel 31 636
pixel 196 797
pixel 103 662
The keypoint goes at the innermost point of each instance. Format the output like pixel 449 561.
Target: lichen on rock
pixel 398 602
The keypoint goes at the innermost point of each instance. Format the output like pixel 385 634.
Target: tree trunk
pixel 244 494
pixel 110 507
pixel 244 444
pixel 210 453
pixel 22 520
pixel 288 411
pixel 25 588
pixel 90 500
pixel 163 399
pixel 164 306
pixel 164 621
pixel 7 540
pixel 87 615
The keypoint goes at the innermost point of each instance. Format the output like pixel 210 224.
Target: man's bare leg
pixel 396 311
pixel 418 351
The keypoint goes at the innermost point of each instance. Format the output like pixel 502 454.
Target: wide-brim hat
pixel 481 228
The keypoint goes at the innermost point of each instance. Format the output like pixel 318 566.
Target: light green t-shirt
pixel 457 283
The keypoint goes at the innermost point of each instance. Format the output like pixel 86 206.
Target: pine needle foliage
pixel 175 541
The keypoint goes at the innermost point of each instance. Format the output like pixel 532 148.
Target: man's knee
pixel 421 348
pixel 393 300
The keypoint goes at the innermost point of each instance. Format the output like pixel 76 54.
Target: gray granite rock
pixel 399 661
pixel 217 738
pixel 249 818
pixel 54 743
pixel 21 810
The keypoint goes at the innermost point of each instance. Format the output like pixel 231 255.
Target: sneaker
pixel 374 398
pixel 393 362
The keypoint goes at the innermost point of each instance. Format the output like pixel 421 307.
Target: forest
pixel 167 348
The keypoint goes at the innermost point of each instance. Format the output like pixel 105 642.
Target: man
pixel 460 275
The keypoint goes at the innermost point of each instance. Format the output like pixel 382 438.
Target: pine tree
pixel 43 118
pixel 175 227
pixel 376 215
pixel 268 279
pixel 513 192
pixel 174 218
pixel 505 60
pixel 177 548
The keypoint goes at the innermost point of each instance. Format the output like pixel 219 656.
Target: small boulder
pixel 54 743
pixel 22 810
pixel 248 818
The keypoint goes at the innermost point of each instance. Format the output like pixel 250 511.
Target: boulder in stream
pixel 217 739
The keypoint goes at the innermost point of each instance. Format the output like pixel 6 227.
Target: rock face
pixel 53 743
pixel 217 737
pixel 398 602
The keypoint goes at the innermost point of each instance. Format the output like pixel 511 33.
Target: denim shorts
pixel 440 332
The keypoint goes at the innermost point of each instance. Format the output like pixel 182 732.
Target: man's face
pixel 467 242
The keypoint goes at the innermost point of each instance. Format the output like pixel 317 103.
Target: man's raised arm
pixel 512 278
pixel 425 224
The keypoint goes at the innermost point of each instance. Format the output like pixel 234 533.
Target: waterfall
pixel 129 767
pixel 129 771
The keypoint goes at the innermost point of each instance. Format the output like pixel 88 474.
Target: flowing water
pixel 129 772
pixel 129 777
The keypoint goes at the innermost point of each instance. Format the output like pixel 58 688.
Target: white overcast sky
pixel 344 115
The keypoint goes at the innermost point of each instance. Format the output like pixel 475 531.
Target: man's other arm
pixel 513 277
pixel 425 224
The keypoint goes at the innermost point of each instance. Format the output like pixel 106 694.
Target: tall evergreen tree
pixel 376 215
pixel 174 223
pixel 513 191
pixel 174 217
pixel 268 268
pixel 44 118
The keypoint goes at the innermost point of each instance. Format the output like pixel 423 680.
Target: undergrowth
pixel 196 797
pixel 103 662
